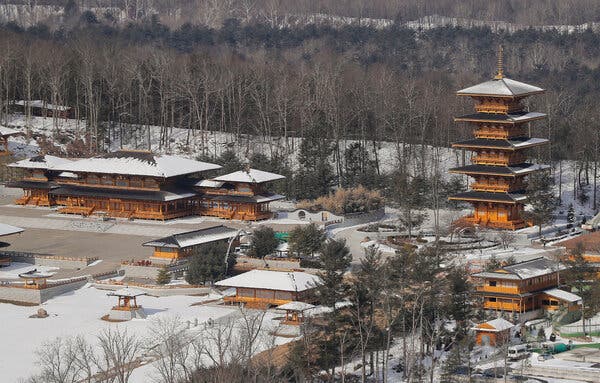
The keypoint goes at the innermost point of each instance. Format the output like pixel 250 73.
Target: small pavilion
pixel 493 332
pixel 294 312
pixel 35 279
pixel 7 230
pixel 127 307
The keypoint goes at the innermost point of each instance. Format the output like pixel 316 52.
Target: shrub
pixel 345 201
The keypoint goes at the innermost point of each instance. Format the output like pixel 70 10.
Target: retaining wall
pixel 34 296
pixel 48 260
pixel 158 291
pixel 256 263
pixel 133 271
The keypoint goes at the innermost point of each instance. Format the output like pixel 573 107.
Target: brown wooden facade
pixel 509 290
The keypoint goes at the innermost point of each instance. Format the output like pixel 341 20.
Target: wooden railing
pixel 498 289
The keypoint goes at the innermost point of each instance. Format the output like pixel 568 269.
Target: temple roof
pixel 141 195
pixel 510 198
pixel 4 131
pixel 40 162
pixel 138 163
pixel 512 118
pixel 193 238
pixel 8 229
pixel 501 87
pixel 252 176
pixel 272 280
pixel 31 185
pixel 262 198
pixel 494 325
pixel 509 144
pixel 509 171
pixel 34 274
pixel 523 270
pixel 562 295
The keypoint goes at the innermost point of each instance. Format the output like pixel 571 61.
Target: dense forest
pixel 360 83
pixel 213 12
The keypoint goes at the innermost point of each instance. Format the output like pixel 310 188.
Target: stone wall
pixel 163 291
pixel 34 296
pixel 134 271
pixel 48 260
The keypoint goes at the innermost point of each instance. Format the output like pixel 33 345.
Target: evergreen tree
pixel 315 175
pixel 459 304
pixel 541 199
pixel 163 276
pixel 359 169
pixel 208 264
pixel 263 242
pixel 306 240
pixel 229 161
pixel 335 259
pixel 579 275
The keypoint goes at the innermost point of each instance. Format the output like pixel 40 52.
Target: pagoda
pixel 501 130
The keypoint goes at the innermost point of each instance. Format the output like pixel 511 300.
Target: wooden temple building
pixel 266 288
pixel 182 245
pixel 500 143
pixel 239 195
pixel 38 179
pixel 140 184
pixel 5 133
pixel 525 287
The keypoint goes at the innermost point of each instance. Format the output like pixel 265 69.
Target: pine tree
pixel 315 175
pixel 541 198
pixel 335 259
pixel 263 242
pixel 163 276
pixel 306 240
pixel 208 264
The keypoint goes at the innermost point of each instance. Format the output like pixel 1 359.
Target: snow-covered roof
pixel 563 295
pixel 40 162
pixel 503 87
pixel 194 238
pixel 252 176
pixel 68 175
pixel 8 229
pixel 498 324
pixel 34 274
pixel 4 131
pixel 127 292
pixel 501 118
pixel 209 184
pixel 139 163
pixel 272 280
pixel 41 104
pixel 296 306
pixel 524 270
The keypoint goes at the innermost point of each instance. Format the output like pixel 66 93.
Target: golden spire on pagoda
pixel 500 74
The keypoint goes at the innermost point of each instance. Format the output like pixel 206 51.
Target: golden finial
pixel 500 74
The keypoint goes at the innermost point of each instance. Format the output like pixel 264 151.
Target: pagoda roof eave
pixel 477 196
pixel 514 144
pixel 505 171
pixel 517 118
pixel 501 87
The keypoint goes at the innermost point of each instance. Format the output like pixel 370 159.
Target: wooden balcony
pixel 506 225
pixel 228 192
pixel 481 186
pixel 499 289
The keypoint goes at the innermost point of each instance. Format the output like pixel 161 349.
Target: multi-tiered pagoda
pixel 500 144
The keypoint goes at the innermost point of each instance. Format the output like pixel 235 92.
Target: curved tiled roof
pixel 503 87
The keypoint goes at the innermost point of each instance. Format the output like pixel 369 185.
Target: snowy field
pixel 79 313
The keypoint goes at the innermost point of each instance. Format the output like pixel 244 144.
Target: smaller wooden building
pixel 40 177
pixel 266 288
pixel 181 245
pixel 494 332
pixel 295 312
pixel 42 108
pixel 35 279
pixel 525 287
pixel 240 195
pixel 5 133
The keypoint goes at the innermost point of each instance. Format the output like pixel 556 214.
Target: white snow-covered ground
pixel 79 313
